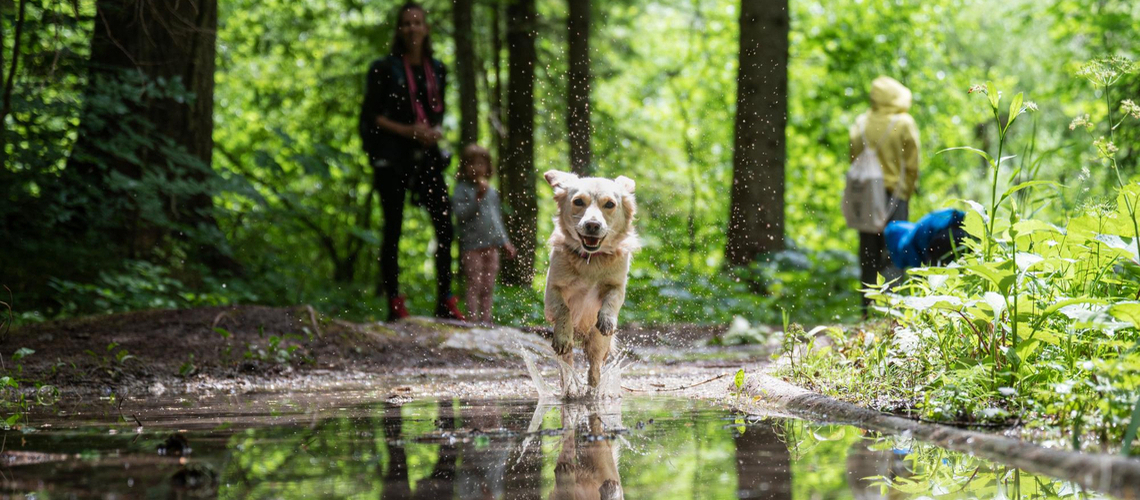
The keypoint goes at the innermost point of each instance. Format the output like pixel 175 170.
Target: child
pixel 481 230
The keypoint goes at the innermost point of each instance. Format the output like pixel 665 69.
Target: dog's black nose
pixel 593 227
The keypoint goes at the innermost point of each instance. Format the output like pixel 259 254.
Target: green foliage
pixel 293 192
pixel 1035 322
pixel 18 393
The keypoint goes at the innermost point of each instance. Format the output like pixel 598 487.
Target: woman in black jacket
pixel 400 128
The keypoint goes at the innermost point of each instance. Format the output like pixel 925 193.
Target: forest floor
pixel 247 349
pixel 254 354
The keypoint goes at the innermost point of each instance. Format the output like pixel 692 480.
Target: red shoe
pixel 449 309
pixel 397 309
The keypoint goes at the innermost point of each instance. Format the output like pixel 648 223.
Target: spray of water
pixel 572 385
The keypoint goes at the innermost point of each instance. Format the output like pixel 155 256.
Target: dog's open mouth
pixel 591 243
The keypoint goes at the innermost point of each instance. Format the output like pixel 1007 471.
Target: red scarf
pixel 432 90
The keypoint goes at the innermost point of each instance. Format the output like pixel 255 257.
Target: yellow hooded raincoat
pixel 898 150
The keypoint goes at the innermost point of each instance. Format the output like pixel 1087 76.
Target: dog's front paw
pixel 562 344
pixel 563 468
pixel 606 324
pixel 610 489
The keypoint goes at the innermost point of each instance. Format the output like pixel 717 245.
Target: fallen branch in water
pixel 681 388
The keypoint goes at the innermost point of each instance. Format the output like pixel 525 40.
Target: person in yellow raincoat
pixel 889 128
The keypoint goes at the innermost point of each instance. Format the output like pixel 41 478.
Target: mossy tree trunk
pixel 756 213
pixel 517 175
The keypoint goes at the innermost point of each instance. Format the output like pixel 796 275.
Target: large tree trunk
pixel 517 174
pixel 756 218
pixel 148 45
pixel 578 87
pixel 465 63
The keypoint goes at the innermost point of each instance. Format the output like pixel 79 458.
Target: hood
pixel 889 96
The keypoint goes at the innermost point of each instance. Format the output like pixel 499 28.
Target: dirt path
pixel 241 350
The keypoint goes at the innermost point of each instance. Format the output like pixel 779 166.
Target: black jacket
pixel 386 93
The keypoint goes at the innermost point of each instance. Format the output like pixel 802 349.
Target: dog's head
pixel 594 212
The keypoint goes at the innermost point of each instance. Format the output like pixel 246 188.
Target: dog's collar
pixel 584 255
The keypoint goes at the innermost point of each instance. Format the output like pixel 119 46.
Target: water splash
pixel 571 384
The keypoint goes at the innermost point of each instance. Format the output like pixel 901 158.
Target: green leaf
pixel 992 94
pixel 1001 275
pixel 739 379
pixel 1068 302
pixel 1029 226
pixel 1025 185
pixel 223 332
pixel 1126 311
pixel 22 353
pixel 1014 108
pixel 1130 434
pixel 976 151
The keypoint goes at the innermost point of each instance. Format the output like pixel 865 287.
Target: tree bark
pixel 756 218
pixel 159 42
pixel 10 81
pixel 578 87
pixel 465 63
pixel 517 176
pixel 498 130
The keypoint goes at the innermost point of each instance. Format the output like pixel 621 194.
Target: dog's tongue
pixel 591 242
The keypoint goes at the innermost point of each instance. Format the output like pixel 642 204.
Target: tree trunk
pixel 578 87
pixel 9 82
pixel 465 63
pixel 147 46
pixel 756 218
pixel 517 176
pixel 498 130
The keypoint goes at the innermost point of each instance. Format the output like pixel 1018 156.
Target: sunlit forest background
pixel 293 219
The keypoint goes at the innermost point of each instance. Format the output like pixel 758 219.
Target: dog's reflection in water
pixel 586 467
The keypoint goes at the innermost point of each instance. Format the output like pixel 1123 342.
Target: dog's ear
pixel 558 181
pixel 557 178
pixel 625 183
pixel 629 205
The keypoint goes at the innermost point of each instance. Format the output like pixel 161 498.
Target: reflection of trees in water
pixel 482 464
pixel 869 467
pixel 440 483
pixel 763 463
pixel 396 473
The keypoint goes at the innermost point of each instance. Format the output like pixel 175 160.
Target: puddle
pixel 275 446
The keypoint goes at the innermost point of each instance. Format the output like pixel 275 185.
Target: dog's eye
pixel 579 202
pixel 610 204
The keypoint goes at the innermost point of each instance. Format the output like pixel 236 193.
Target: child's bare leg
pixel 472 274
pixel 490 272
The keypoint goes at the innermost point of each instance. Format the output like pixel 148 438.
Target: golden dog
pixel 590 253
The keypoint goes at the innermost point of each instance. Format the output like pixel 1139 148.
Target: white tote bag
pixel 865 204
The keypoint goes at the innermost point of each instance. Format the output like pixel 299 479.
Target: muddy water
pixel 345 446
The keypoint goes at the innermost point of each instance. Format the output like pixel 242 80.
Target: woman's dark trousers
pixel 429 191
pixel 873 256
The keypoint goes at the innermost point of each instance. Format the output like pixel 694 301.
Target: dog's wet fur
pixel 590 253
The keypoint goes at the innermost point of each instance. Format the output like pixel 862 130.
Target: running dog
pixel 590 253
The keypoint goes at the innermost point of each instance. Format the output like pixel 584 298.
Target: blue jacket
pixel 909 243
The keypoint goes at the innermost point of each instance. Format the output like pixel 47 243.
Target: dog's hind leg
pixel 597 350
